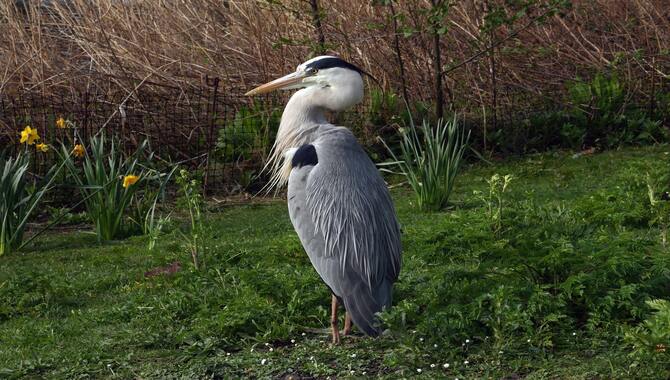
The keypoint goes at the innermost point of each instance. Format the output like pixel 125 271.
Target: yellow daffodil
pixel 29 135
pixel 130 180
pixel 60 123
pixel 79 150
pixel 42 147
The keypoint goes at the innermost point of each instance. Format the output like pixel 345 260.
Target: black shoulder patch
pixel 329 62
pixel 304 156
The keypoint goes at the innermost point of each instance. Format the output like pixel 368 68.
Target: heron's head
pixel 327 81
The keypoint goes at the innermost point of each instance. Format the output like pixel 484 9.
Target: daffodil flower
pixel 79 150
pixel 130 180
pixel 42 147
pixel 29 135
pixel 60 123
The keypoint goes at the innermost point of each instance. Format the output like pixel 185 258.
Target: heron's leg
pixel 333 320
pixel 347 323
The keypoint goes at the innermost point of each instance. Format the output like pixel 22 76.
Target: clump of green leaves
pixel 653 335
pixel 602 114
pixel 18 199
pixel 66 216
pixel 383 107
pixel 252 131
pixel 101 178
pixel 192 199
pixel 430 163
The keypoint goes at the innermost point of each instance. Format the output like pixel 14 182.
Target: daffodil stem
pixel 60 217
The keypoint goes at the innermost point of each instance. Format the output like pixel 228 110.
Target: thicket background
pixel 525 75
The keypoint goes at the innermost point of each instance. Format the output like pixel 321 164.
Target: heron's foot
pixel 347 324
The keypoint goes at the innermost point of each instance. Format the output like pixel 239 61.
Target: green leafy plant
pixel 495 199
pixel 383 107
pixel 145 209
pixel 253 129
pixel 430 163
pixel 660 206
pixel 603 114
pixel 106 178
pixel 653 335
pixel 18 199
pixel 65 216
pixel 192 199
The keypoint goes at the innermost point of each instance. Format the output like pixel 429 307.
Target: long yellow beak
pixel 289 81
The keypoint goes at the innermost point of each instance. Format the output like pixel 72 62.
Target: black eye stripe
pixel 330 62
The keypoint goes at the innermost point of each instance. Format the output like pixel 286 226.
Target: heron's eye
pixel 312 71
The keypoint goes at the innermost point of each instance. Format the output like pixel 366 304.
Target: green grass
pixel 548 296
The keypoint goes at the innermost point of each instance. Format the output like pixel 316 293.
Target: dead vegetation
pixel 56 45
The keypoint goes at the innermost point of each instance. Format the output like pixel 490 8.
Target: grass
pixel 548 296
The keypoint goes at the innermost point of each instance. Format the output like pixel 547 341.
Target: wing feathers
pixel 345 218
pixel 351 207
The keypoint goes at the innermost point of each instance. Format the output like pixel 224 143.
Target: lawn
pixel 550 290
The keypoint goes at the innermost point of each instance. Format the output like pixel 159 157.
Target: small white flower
pixel 352 372
pixel 445 365
pixel 364 373
pixel 432 366
pixel 435 345
pixel 263 361
pixel 467 341
pixel 418 370
pixel 420 339
pixel 500 352
pixel 574 333
pixel 303 334
pixel 267 344
pixel 413 331
pixel 311 358
pixel 353 355
pixel 271 349
pixel 292 340
pixel 227 353
pixel 528 341
pixel 466 362
pixel 109 366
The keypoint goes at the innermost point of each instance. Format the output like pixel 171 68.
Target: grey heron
pixel 338 202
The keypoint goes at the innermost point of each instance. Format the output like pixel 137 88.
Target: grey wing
pixel 344 215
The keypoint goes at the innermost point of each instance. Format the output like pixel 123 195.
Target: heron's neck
pixel 299 120
pixel 299 123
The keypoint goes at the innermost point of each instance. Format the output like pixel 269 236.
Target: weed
pixel 192 199
pixel 65 216
pixel 652 337
pixel 495 199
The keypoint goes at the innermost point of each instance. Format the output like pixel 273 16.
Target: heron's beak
pixel 287 82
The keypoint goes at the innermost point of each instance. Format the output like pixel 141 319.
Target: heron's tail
pixel 363 305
